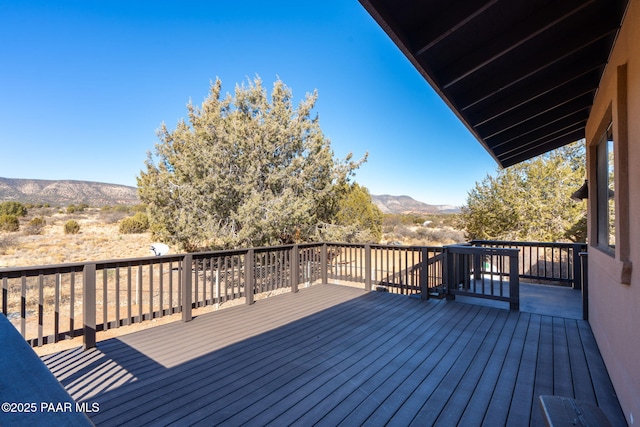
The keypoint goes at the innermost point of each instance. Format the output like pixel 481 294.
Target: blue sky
pixel 84 85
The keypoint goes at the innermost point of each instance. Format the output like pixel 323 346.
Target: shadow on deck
pixel 332 355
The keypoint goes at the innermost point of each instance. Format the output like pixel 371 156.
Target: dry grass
pixel 98 239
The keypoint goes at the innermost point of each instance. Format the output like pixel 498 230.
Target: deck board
pixel 336 355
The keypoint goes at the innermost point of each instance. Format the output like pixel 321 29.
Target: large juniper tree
pixel 244 170
pixel 530 200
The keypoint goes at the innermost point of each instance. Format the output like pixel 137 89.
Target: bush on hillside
pixel 36 225
pixel 13 208
pixel 9 223
pixel 139 223
pixel 77 208
pixel 71 227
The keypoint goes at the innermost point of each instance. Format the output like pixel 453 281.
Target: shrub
pixel 71 227
pixel 9 223
pixel 76 208
pixel 13 208
pixel 36 225
pixel 139 223
pixel 7 241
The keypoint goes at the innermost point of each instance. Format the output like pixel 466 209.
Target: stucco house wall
pixel 614 281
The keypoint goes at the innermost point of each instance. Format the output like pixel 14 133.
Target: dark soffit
pixel 520 74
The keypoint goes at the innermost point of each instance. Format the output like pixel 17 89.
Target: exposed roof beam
pixel 541 149
pixel 455 16
pixel 515 37
pixel 585 97
pixel 542 141
pixel 521 75
pixel 550 78
pixel 576 120
pixel 511 137
pixel 491 85
pixel 543 102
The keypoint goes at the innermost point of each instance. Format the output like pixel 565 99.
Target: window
pixel 606 207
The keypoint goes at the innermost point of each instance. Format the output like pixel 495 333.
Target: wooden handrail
pixel 151 287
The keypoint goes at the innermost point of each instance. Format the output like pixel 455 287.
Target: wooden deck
pixel 335 355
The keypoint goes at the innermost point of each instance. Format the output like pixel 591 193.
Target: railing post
pixel 324 264
pixel 89 305
pixel 295 268
pixel 424 274
pixel 577 274
pixel 187 276
pixel 514 283
pixel 249 276
pixel 367 267
pixel 448 274
pixel 584 273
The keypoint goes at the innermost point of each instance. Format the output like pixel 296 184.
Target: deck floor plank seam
pixel 562 381
pixel 479 401
pixel 434 406
pixel 605 394
pixel 222 353
pixel 521 405
pixel 359 383
pixel 502 396
pixel 329 377
pixel 346 380
pixel 413 408
pixel 544 382
pixel 239 378
pixel 337 355
pixel 212 343
pixel 393 393
pixel 420 384
pixel 318 365
pixel 453 410
pixel 580 374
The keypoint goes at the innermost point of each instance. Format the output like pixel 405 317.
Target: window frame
pixel 606 229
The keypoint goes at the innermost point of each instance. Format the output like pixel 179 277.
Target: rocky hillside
pixel 60 193
pixel 406 205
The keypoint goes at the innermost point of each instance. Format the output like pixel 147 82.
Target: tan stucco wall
pixel 614 307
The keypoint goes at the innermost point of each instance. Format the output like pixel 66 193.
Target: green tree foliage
pixel 247 170
pixel 13 208
pixel 357 219
pixel 530 201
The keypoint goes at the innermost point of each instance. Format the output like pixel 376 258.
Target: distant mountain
pixel 66 192
pixel 61 193
pixel 406 205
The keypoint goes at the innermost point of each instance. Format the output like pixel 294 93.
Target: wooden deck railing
pixel 481 272
pixel 50 303
pixel 545 262
pixel 395 269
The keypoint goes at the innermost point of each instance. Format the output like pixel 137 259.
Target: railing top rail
pixel 520 243
pixel 13 272
pixel 379 246
pixel 35 270
pixel 463 249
